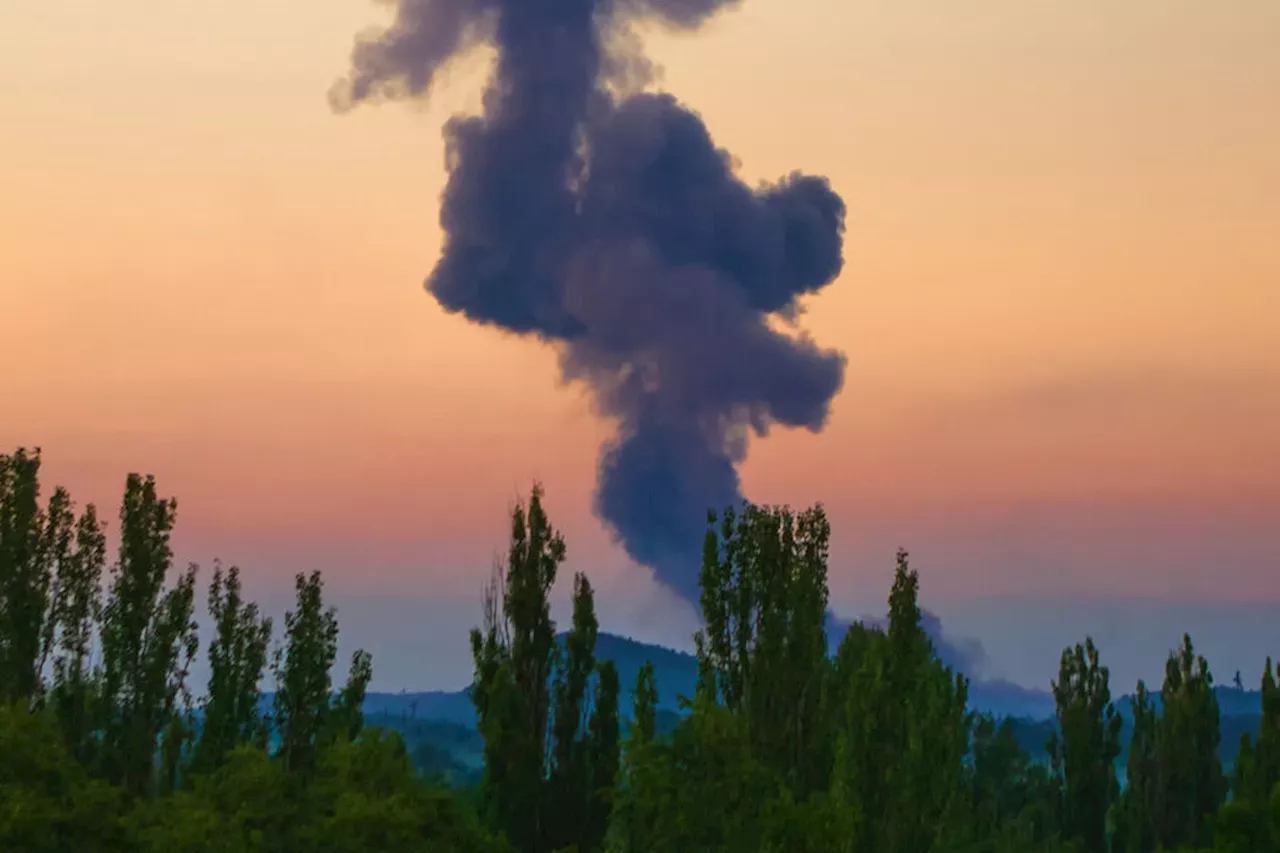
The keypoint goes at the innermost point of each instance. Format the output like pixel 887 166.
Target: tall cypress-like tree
pixel 1251 820
pixel 550 757
pixel 514 655
pixel 567 792
pixel 763 652
pixel 633 809
pixel 307 714
pixel 1085 746
pixel 603 761
pixel 1136 829
pixel 304 675
pixel 904 730
pixel 1257 770
pixel 1192 786
pixel 148 641
pixel 76 616
pixel 237 661
pixel 31 542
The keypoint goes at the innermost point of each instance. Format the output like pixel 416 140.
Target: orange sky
pixel 1061 301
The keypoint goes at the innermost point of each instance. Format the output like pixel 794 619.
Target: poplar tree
pixel 763 652
pixel 32 541
pixel 1257 771
pixel 551 743
pixel 76 616
pixel 1084 748
pixel 1251 820
pixel 1138 810
pixel 634 807
pixel 603 760
pixel 1191 785
pixel 346 719
pixel 148 641
pixel 568 793
pixel 904 730
pixel 514 656
pixel 237 660
pixel 304 675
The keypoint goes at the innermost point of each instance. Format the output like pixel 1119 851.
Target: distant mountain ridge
pixel 439 727
pixel 677 675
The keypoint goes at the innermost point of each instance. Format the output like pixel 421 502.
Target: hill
pixel 439 727
pixel 677 675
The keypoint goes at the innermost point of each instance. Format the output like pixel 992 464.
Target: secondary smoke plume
pixel 604 220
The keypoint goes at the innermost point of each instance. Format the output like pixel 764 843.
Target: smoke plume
pixel 603 219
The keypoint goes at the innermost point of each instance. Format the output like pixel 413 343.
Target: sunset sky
pixel 1060 304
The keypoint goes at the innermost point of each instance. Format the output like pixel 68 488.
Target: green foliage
pixel 764 648
pixel 1258 765
pixel 904 731
pixel 30 538
pixel 237 658
pixel 700 790
pixel 78 607
pixel 1139 807
pixel 148 640
pixel 528 695
pixel 1005 795
pixel 96 730
pixel 781 747
pixel 304 674
pixel 1191 782
pixel 1084 750
pixel 48 802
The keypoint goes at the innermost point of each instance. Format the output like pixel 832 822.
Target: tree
pixel 1085 746
pixel 148 641
pixel 584 736
pixel 1258 765
pixel 632 807
pixel 764 648
pixel 76 615
pixel 237 659
pixel 904 730
pixel 603 760
pixel 35 546
pixel 528 695
pixel 1138 810
pixel 367 797
pixel 514 658
pixel 1005 793
pixel 567 785
pixel 701 790
pixel 347 715
pixel 1191 783
pixel 304 675
pixel 48 802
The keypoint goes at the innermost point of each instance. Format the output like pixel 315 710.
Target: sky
pixel 1060 305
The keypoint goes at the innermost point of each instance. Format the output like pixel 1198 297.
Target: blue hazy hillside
pixel 677 674
pixel 439 727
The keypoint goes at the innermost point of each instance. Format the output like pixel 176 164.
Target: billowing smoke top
pixel 612 226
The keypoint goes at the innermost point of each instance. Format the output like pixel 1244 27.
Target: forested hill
pixel 677 674
pixel 440 726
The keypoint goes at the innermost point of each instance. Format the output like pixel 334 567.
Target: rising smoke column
pixel 611 226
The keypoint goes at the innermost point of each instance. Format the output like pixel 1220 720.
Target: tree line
pixel 106 745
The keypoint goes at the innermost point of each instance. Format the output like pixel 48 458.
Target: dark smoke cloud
pixel 611 226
